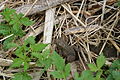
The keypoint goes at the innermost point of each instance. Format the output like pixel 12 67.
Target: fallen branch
pixel 41 6
pixel 80 29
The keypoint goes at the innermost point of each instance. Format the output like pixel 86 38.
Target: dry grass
pixel 86 24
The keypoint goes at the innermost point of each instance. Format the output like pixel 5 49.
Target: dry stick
pixel 79 11
pixel 61 24
pixel 109 33
pixel 5 62
pixel 80 8
pixel 2 6
pixel 81 61
pixel 41 5
pixel 72 12
pixel 6 75
pixel 84 57
pixel 30 8
pixel 115 45
pixel 65 7
pixel 103 10
pixel 87 49
pixel 6 37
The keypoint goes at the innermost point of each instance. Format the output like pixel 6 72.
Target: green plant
pixel 22 76
pixel 28 48
pixel 114 71
pixel 118 3
pixel 12 25
pixel 62 69
pixel 43 59
pixel 95 71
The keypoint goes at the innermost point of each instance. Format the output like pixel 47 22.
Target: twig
pixel 65 7
pixel 30 8
pixel 115 45
pixel 109 33
pixel 6 37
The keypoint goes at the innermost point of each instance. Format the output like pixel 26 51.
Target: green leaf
pixel 67 70
pixel 100 61
pixel 38 47
pixel 26 65
pixel 8 40
pixel 36 54
pixel 7 13
pixel 19 53
pixel 4 26
pixel 76 76
pixel 57 74
pixel 98 75
pixel 87 75
pixel 17 62
pixel 116 75
pixel 46 53
pixel 46 63
pixel 22 76
pixel 110 77
pixel 118 3
pixel 30 40
pixel 26 22
pixel 115 65
pixel 4 29
pixel 12 22
pixel 44 59
pixel 11 45
pixel 58 61
pixel 92 67
pixel 17 17
pixel 16 27
pixel 4 32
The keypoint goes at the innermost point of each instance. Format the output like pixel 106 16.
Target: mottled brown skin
pixel 65 50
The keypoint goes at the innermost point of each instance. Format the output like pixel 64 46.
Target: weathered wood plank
pixel 49 24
